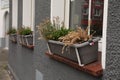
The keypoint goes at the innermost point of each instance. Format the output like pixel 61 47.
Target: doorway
pixel 6 28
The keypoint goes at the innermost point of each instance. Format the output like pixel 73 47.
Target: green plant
pixel 58 33
pixel 20 30
pixel 46 29
pixel 12 31
pixel 25 31
pixel 52 31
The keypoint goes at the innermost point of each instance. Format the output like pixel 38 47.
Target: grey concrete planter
pixel 21 41
pixel 83 53
pixel 13 37
pixel 26 40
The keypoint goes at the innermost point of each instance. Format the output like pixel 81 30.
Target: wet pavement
pixel 3 64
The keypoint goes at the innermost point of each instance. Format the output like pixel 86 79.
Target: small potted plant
pixel 26 37
pixel 75 45
pixel 13 34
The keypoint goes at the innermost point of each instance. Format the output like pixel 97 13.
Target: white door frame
pixel 104 33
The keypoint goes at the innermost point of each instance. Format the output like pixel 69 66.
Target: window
pixel 4 4
pixel 85 11
pixel 77 10
pixel 97 12
pixel 86 2
pixel 28 13
pixel 97 2
pixel 55 6
pixel 74 13
pixel 79 15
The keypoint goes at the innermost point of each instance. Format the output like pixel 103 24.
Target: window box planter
pixel 83 53
pixel 26 37
pixel 13 38
pixel 26 40
pixel 21 39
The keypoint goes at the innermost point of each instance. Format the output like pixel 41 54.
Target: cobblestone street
pixel 3 65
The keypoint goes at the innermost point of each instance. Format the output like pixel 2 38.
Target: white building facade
pixel 4 22
pixel 29 13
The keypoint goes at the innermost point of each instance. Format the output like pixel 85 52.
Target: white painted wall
pixel 2 28
pixel 33 14
pixel 3 25
pixel 14 13
pixel 67 13
pixel 28 13
pixel 57 9
pixel 61 9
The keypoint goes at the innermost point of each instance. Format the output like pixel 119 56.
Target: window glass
pixel 79 12
pixel 97 12
pixel 97 2
pixel 76 12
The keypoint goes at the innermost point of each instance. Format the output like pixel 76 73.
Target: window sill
pixel 13 41
pixel 27 46
pixel 94 69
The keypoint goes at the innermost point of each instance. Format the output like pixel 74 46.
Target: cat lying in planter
pixel 75 45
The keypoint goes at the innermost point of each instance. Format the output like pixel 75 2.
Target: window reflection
pixel 79 15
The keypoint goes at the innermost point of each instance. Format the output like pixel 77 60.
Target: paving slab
pixel 3 65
